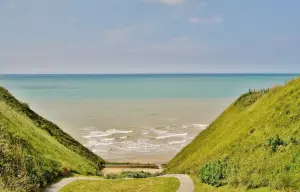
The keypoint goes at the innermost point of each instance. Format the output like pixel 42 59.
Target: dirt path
pixel 186 183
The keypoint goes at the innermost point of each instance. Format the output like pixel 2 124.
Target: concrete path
pixel 186 183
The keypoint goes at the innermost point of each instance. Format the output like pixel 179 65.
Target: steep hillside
pixel 254 143
pixel 34 152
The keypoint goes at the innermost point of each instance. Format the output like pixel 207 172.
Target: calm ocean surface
pixel 146 118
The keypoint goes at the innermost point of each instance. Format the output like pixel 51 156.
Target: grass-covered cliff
pixel 255 143
pixel 34 152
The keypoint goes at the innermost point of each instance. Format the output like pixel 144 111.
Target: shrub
pixel 274 143
pixel 213 173
pixel 25 105
pixel 66 172
pixel 111 176
pixel 131 175
pixel 157 174
pixel 248 99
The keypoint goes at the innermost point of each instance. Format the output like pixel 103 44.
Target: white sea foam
pixel 99 151
pixel 189 126
pixel 158 131
pixel 203 126
pixel 94 143
pixel 100 142
pixel 96 134
pixel 171 135
pixel 150 139
pixel 145 133
pixel 139 145
pixel 114 131
pixel 107 139
pixel 177 142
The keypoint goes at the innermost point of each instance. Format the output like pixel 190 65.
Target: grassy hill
pixel 255 143
pixel 34 152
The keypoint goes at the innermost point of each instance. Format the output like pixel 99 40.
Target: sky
pixel 149 36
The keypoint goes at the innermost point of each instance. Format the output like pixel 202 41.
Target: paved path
pixel 186 183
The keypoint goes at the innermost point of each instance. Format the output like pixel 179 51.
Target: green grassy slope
pixel 245 137
pixel 34 152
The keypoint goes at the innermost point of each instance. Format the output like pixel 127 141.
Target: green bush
pixel 213 173
pixel 157 174
pixel 131 175
pixel 274 143
pixel 111 176
pixel 25 105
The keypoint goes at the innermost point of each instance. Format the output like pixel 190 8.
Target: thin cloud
pixel 167 2
pixel 210 20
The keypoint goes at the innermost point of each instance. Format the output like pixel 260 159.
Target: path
pixel 186 183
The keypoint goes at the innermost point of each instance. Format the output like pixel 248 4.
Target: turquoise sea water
pixel 61 87
pixel 144 118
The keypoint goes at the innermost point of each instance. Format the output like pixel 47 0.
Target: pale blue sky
pixel 149 36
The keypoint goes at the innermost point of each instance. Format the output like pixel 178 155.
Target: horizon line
pixel 234 73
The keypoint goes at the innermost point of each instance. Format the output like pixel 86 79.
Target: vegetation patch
pixel 131 175
pixel 275 142
pixel 214 173
pixel 130 165
pixel 250 98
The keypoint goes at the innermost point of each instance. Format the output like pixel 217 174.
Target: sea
pixel 144 118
